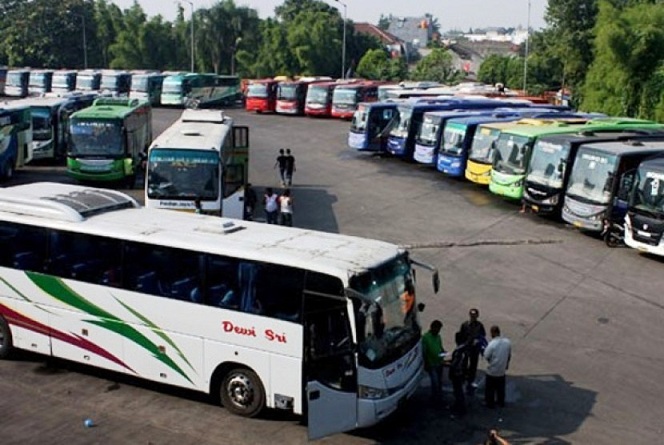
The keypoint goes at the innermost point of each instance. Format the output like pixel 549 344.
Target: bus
pixel 109 140
pixel 482 148
pixel 514 147
pixel 261 96
pixel 17 83
pixel 319 99
pixel 597 191
pixel 117 82
pixel 88 80
pixel 15 139
pixel 291 95
pixel 551 163
pixel 193 90
pixel 50 119
pixel 370 126
pixel 311 323
pixel 203 156
pixel 644 222
pixel 40 82
pixel 346 97
pixel 63 81
pixel 147 85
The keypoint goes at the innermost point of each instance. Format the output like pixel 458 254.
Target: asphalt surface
pixel 584 320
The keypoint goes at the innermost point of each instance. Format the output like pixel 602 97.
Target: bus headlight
pixel 368 392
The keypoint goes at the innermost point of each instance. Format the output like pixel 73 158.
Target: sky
pixel 451 14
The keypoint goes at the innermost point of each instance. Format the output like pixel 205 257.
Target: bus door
pixel 381 121
pixel 330 367
pixel 235 174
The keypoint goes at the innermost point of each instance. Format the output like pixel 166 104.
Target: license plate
pixel 642 233
pixel 577 224
pixel 535 208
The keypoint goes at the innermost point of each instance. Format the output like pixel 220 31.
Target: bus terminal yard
pixel 583 318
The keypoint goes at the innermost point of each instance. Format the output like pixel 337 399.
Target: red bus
pixel 319 98
pixel 261 96
pixel 345 98
pixel 291 96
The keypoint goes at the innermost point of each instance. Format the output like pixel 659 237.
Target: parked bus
pixel 319 99
pixel 202 157
pixel 551 163
pixel 50 120
pixel 514 147
pixel 597 191
pixel 63 81
pixel 345 98
pixel 40 82
pixel 261 96
pixel 117 82
pixel 15 139
pixel 644 222
pixel 308 322
pixel 88 80
pixel 193 90
pixel 109 140
pixel 291 95
pixel 370 126
pixel 147 86
pixel 17 83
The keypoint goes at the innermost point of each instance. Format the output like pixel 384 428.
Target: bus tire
pixel 6 342
pixel 242 392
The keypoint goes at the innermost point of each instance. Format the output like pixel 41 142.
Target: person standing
pixel 270 202
pixel 290 167
pixel 250 200
pixel 286 208
pixel 474 335
pixel 281 163
pixel 498 354
pixel 432 348
pixel 458 373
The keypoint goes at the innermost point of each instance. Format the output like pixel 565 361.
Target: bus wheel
pixel 6 343
pixel 242 392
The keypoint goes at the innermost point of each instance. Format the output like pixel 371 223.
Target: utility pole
pixel 525 60
pixel 343 47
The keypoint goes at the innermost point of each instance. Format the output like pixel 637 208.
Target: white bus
pixel 259 316
pixel 202 156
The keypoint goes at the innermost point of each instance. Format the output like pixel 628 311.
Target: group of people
pixel 471 343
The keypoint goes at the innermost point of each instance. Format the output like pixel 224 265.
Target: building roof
pixel 384 36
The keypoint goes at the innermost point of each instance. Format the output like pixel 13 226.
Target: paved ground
pixel 585 320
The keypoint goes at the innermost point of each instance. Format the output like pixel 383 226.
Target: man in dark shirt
pixel 290 167
pixel 282 163
pixel 473 335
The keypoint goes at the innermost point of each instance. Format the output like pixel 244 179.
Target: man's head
pixel 281 151
pixel 474 314
pixel 495 331
pixel 288 151
pixel 436 326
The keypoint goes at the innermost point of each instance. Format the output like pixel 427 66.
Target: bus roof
pixel 196 130
pixel 619 148
pixel 114 214
pixel 36 102
pixel 589 126
pixel 588 137
pixel 110 108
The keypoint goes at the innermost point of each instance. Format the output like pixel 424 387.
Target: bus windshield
pixel 428 132
pixel 452 140
pixel 592 177
pixel 109 82
pixel 386 317
pixel 37 79
pixel 347 96
pixel 139 83
pixel 359 122
pixel 511 154
pixel 401 122
pixel 649 193
pixel 96 138
pixel 287 92
pixel 483 145
pixel 41 125
pixel 61 81
pixel 547 164
pixel 187 174
pixel 172 87
pixel 257 90
pixel 15 79
pixel 317 95
pixel 84 83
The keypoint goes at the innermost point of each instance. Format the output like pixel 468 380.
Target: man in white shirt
pixel 498 354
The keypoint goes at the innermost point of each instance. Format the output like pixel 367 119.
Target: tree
pixel 373 65
pixel 437 66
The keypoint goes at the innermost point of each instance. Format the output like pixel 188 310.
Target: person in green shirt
pixel 432 348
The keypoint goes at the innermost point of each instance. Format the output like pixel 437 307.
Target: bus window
pixel 22 247
pixel 279 291
pixel 85 258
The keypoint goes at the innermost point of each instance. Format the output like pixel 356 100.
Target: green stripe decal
pixel 22 295
pixel 57 289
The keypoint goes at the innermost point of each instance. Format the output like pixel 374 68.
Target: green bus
pixel 109 140
pixel 194 90
pixel 514 148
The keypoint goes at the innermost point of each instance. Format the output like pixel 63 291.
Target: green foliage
pixel 437 66
pixel 374 65
pixel 494 70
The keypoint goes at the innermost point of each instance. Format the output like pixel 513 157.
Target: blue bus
pixel 458 134
pixel 401 140
pixel 370 125
pixel 15 139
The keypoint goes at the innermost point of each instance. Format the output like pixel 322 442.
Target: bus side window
pixel 22 247
pixel 221 287
pixel 279 291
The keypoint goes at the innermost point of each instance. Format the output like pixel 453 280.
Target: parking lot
pixel 584 320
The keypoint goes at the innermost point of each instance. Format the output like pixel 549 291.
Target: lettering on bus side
pixel 269 334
